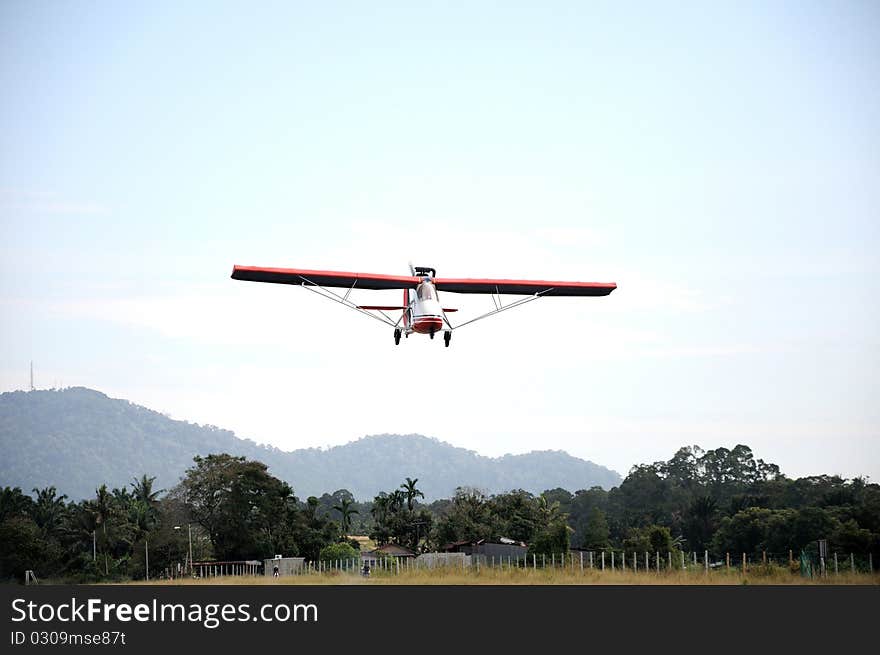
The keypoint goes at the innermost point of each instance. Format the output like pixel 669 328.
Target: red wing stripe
pixel 323 278
pixel 525 287
pixel 383 307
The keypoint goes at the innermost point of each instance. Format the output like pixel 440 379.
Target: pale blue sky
pixel 720 161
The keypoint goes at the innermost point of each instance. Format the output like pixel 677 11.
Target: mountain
pixel 76 439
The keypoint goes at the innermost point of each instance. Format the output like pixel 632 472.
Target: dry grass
pixel 498 576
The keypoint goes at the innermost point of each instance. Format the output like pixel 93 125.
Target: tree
pixel 553 534
pixel 758 529
pixel 380 512
pixel 411 492
pixel 468 519
pixel 14 503
pixel 553 540
pixel 101 508
pixel 395 500
pixel 580 510
pixel 700 522
pixel 23 547
pixel 246 512
pixel 338 552
pixel 514 515
pixel 346 510
pixel 144 494
pixel 596 535
pixel 49 511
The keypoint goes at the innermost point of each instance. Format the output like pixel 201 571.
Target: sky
pixel 719 161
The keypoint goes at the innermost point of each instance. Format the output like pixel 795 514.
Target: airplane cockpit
pixel 426 291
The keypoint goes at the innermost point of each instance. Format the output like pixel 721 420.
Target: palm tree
pixel 548 511
pixel 380 507
pixel 344 508
pixel 49 510
pixel 411 492
pixel 395 500
pixel 143 495
pixel 13 502
pixel 101 507
pixel 143 491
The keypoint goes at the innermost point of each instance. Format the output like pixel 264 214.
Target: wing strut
pixel 499 308
pixel 344 301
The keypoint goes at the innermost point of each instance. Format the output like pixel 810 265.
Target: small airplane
pixel 421 310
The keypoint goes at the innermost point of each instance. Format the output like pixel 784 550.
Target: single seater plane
pixel 421 310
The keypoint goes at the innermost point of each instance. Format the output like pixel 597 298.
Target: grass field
pixel 497 576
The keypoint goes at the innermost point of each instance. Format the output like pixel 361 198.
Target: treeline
pixel 724 501
pixel 230 508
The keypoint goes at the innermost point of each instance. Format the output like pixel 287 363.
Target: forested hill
pixel 76 438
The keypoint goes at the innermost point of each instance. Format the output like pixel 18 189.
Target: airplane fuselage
pixel 425 312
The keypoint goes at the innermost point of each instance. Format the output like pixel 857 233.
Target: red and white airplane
pixel 421 311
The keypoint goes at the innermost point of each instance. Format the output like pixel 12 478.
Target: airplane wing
pixel 525 287
pixel 324 278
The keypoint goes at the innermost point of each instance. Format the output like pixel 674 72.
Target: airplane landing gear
pixel 432 334
pixel 396 336
pixel 447 337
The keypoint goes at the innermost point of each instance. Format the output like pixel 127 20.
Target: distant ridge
pixel 78 438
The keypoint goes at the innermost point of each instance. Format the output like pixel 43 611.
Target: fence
pixel 574 562
pixel 229 568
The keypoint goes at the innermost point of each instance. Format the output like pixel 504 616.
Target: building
pixel 502 549
pixel 386 551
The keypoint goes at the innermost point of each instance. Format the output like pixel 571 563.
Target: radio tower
pixel 32 375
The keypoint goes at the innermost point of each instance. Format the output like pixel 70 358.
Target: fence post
pixel 647 565
pixel 871 563
pixel 728 562
pixel 657 560
pixel 603 560
pixel 591 559
pixel 852 563
pixel 695 558
pixel 623 561
pixel 706 559
pixel 582 561
pixel 764 557
pixel 835 562
pixel 534 562
pixel 612 560
pixel 682 560
pixel 790 558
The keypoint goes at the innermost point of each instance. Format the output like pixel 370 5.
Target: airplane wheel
pixel 432 334
pixel 397 337
pixel 447 337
